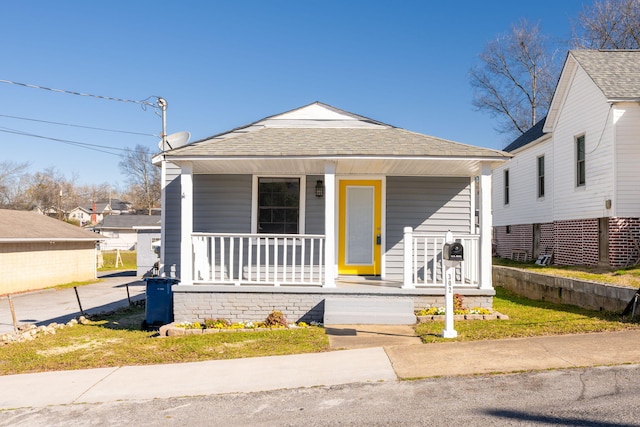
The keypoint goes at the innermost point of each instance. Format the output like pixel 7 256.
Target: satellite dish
pixel 174 140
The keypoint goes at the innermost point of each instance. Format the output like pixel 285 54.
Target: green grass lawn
pixel 528 318
pixel 128 259
pixel 117 340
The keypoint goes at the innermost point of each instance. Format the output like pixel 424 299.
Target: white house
pixel 571 189
pixel 315 200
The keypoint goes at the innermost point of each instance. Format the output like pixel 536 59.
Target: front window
pixel 541 176
pixel 278 205
pixel 581 175
pixel 506 187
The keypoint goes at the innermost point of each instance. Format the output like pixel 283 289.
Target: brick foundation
pixel 200 302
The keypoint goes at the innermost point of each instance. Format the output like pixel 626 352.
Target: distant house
pixel 571 189
pixel 37 252
pixel 121 231
pixel 80 214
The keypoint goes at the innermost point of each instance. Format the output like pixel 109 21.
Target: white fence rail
pixel 423 263
pixel 258 259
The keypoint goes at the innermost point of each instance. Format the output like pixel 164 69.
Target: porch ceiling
pixel 344 166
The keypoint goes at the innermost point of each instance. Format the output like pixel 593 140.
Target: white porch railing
pixel 423 263
pixel 258 259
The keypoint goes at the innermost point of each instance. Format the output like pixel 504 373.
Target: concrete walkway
pixel 371 354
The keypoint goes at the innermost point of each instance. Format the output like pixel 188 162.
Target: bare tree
pixel 12 179
pixel 608 24
pixel 143 178
pixel 516 79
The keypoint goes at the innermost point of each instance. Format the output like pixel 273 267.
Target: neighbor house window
pixel 506 187
pixel 278 205
pixel 581 177
pixel 541 176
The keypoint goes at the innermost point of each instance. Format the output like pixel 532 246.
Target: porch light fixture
pixel 319 189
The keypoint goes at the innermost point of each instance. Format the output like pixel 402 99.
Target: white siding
pixel 584 112
pixel 525 207
pixel 627 128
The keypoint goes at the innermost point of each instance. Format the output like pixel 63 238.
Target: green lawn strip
pixel 109 260
pixel 527 318
pixel 110 343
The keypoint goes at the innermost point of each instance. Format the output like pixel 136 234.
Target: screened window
pixel 541 176
pixel 581 177
pixel 278 205
pixel 506 187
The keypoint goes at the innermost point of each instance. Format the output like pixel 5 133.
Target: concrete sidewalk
pixel 373 364
pixel 361 353
pixel 61 305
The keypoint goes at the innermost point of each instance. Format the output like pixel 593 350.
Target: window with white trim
pixel 506 186
pixel 278 205
pixel 581 173
pixel 541 176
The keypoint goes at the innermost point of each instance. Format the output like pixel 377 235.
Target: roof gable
pixel 616 73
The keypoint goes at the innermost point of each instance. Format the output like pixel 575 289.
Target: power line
pixel 144 102
pixel 94 147
pixel 79 126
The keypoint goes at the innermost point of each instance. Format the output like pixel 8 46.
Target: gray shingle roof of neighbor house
pixel 300 141
pixel 615 72
pixel 128 221
pixel 529 136
pixel 24 226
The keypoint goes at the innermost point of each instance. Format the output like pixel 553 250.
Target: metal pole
pixel 162 103
pixel 128 296
pixel 78 298
pixel 13 314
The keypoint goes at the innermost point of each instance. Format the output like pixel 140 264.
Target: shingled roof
pixel 615 72
pixel 320 130
pixel 24 226
pixel 529 136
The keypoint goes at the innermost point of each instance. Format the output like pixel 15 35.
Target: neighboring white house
pixel 571 189
pixel 121 231
pixel 315 197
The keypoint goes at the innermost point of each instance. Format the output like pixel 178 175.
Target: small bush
pixel 276 319
pixel 216 323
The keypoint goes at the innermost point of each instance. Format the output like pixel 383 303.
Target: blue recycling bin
pixel 159 305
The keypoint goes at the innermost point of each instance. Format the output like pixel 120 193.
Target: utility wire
pixel 79 126
pixel 94 147
pixel 144 102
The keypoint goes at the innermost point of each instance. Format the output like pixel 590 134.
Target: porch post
pixel 186 245
pixel 163 217
pixel 329 225
pixel 408 259
pixel 485 227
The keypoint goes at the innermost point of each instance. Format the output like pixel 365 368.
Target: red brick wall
pixel 576 242
pixel 624 238
pixel 546 238
pixel 520 238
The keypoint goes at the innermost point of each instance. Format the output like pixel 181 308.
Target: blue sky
pixel 222 64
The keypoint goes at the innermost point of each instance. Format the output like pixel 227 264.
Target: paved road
pixel 606 396
pixel 61 305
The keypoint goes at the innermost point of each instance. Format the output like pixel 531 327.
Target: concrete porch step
pixel 368 311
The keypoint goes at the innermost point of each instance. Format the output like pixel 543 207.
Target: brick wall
pixel 200 302
pixel 624 238
pixel 546 238
pixel 576 242
pixel 520 237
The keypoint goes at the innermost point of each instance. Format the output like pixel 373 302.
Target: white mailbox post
pixel 452 253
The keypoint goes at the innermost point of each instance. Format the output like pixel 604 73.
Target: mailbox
pixel 453 252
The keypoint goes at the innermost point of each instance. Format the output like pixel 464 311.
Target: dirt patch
pixel 89 345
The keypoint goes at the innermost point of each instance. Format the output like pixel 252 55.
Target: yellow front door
pixel 360 227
